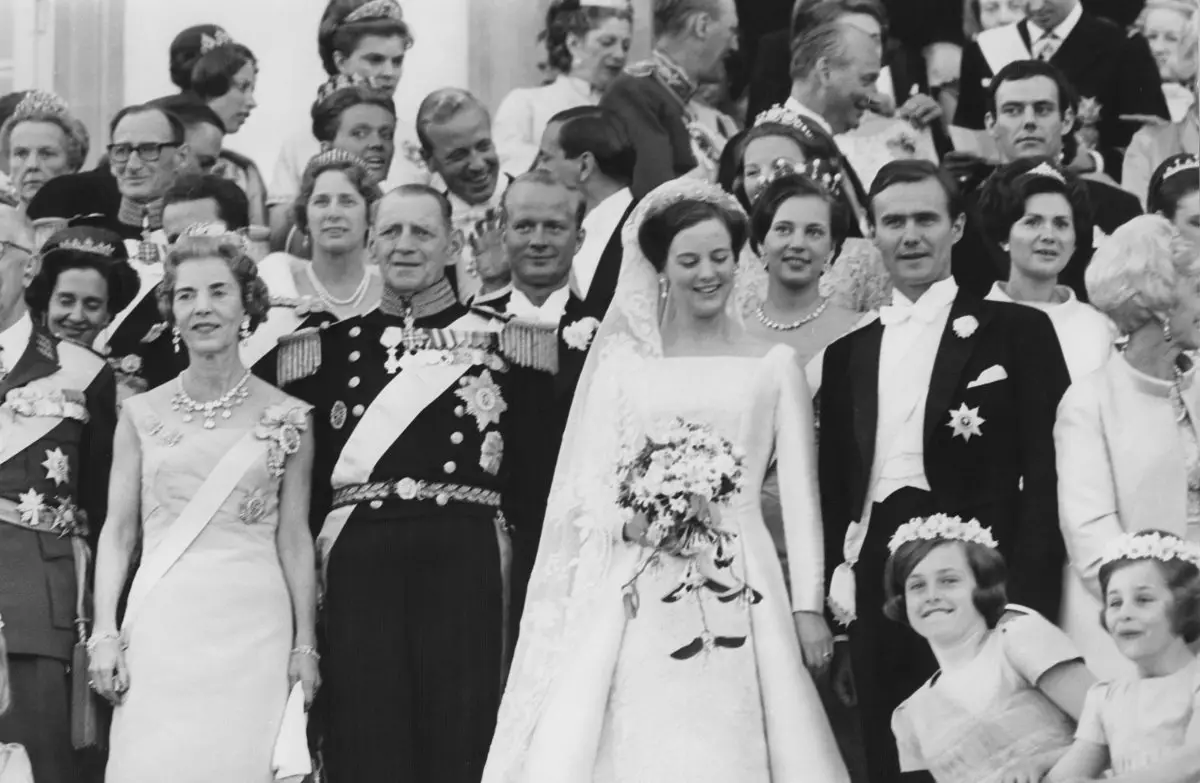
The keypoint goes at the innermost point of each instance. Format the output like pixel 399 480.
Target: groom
pixel 945 404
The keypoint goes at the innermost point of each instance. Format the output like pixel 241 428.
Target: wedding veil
pixel 571 588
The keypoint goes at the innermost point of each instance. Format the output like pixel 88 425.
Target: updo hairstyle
pixel 571 17
pixel 659 230
pixel 1183 580
pixel 811 144
pixel 327 111
pixel 354 171
pixel 1165 192
pixel 336 35
pixel 230 248
pixel 991 575
pixel 789 186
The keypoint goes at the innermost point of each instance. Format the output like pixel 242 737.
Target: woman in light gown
pixel 596 696
pixel 1127 440
pixel 212 474
pixel 587 44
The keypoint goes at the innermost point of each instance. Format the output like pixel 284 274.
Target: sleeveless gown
pixel 208 651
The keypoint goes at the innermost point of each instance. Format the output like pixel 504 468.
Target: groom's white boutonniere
pixel 579 334
pixel 965 327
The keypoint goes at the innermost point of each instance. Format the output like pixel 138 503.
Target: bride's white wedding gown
pixel 619 708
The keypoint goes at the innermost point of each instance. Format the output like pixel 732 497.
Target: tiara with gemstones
pixel 376 9
pixel 782 115
pixel 1150 546
pixel 87 245
pixel 343 81
pixel 334 155
pixel 39 102
pixel 217 39
pixel 941 527
pixel 1180 166
pixel 817 169
pixel 1044 169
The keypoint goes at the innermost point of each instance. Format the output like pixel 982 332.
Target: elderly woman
pixel 1038 214
pixel 1175 194
pixel 84 280
pixel 212 476
pixel 587 44
pixel 334 207
pixel 353 115
pixel 206 61
pixel 40 141
pixel 1126 438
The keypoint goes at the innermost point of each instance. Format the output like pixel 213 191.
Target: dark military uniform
pixel 56 430
pixel 416 482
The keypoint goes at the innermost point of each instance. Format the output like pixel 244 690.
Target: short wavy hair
pixel 230 248
pixel 120 278
pixel 78 142
pixel 359 177
pixel 549 180
pixel 570 17
pixel 1136 275
pixel 327 114
pixel 1183 580
pixel 991 577
pixel 441 106
pixel 790 186
pixel 659 230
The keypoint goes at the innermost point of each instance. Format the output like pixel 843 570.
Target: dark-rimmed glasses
pixel 148 151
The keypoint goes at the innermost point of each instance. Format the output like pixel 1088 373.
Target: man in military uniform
pixel 655 97
pixel 419 404
pixel 57 415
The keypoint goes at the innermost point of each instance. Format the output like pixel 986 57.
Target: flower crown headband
pixel 218 39
pixel 941 527
pixel 1150 546
pixel 343 81
pixel 376 9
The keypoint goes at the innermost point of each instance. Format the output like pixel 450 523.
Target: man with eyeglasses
pixel 53 485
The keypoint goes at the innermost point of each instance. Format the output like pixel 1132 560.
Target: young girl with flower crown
pixel 1003 705
pixel 14 762
pixel 1145 729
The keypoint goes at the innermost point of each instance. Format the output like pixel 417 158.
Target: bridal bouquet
pixel 677 481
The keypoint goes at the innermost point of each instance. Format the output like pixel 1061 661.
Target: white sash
pixel 388 416
pixel 194 518
pixel 149 275
pixel 18 432
pixel 275 270
pixel 1001 46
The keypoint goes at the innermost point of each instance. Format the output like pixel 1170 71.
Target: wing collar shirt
pixel 598 226
pixel 911 336
pixel 14 340
pixel 550 312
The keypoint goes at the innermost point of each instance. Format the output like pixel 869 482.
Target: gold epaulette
pixel 531 345
pixel 299 355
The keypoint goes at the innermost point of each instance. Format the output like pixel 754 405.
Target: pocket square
pixel 990 375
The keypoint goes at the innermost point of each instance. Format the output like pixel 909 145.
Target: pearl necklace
pixel 225 403
pixel 778 327
pixel 353 301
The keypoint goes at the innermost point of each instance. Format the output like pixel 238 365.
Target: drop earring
pixel 244 332
pixel 664 288
pixel 175 337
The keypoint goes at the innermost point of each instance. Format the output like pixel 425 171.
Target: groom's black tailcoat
pixel 1005 478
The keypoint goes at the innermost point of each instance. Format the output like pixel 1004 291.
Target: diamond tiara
pixel 1044 169
pixel 217 39
pixel 1187 163
pixel 376 9
pixel 334 155
pixel 941 527
pixel 1150 546
pixel 87 245
pixel 781 115
pixel 39 102
pixel 343 81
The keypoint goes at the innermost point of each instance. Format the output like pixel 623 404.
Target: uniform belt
pixel 415 489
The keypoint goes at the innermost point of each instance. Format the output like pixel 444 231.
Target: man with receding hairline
pixel 421 420
pixel 655 97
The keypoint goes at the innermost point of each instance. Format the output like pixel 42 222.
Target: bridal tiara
pixel 941 527
pixel 87 245
pixel 1150 546
pixel 1044 169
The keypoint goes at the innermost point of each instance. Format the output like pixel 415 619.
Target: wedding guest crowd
pixel 596 435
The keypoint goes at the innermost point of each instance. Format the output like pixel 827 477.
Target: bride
pixel 596 695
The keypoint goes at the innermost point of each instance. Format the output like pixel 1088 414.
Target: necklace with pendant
pixel 778 327
pixel 225 403
pixel 353 301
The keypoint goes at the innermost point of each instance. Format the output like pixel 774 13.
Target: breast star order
pixel 31 506
pixel 966 422
pixel 58 467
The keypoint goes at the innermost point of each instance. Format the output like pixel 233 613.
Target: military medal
pixel 391 339
pixel 337 415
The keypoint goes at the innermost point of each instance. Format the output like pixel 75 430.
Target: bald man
pixel 53 486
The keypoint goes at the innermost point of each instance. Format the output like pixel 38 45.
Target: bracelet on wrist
pixel 308 650
pixel 103 636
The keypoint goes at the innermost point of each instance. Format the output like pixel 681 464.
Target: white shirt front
pixel 598 227
pixel 14 340
pixel 549 312
pixel 1086 335
pixel 797 107
pixel 906 356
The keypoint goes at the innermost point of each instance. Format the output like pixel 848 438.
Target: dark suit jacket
pixel 1103 62
pixel 1006 478
pixel 978 263
pixel 37 569
pixel 655 118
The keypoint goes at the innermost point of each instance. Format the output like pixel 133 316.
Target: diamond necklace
pixel 778 327
pixel 353 301
pixel 225 403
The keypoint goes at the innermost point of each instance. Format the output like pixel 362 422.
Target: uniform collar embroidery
pixel 422 304
pixel 668 73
